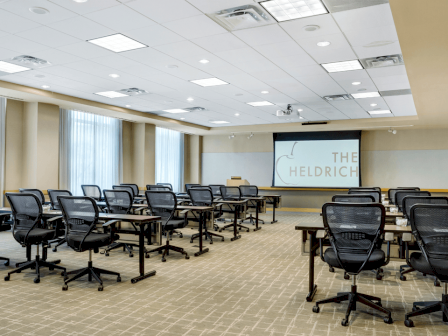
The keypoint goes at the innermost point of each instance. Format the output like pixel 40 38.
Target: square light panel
pixel 117 43
pixel 12 68
pixel 219 122
pixel 380 112
pixel 209 82
pixel 284 10
pixel 176 111
pixel 365 95
pixel 111 94
pixel 260 103
pixel 343 66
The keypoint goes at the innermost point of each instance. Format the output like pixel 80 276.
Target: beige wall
pixel 14 145
pixel 193 149
pixel 260 142
pixel 150 155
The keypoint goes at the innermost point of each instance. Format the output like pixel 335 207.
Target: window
pixel 170 158
pixel 90 150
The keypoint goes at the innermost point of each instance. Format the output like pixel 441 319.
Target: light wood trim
pixel 299 189
pixel 16 191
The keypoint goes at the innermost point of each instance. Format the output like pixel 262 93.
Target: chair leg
pixel 362 299
pixel 62 241
pixel 80 273
pixel 6 260
pixel 103 271
pixel 336 299
pixel 427 310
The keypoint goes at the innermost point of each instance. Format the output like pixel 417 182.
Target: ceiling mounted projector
pixel 288 113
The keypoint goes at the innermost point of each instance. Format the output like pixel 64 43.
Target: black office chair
pixel 120 202
pixel 94 191
pixel 250 191
pixel 190 185
pixel 60 229
pixel 164 204
pixel 400 195
pixel 408 202
pixel 130 189
pixel 135 188
pixel 204 197
pixel 166 185
pixel 366 188
pixel 216 189
pixel 158 187
pixel 40 195
pixel 354 231
pixel 429 223
pixel 376 194
pixel 231 194
pixel 27 230
pixel 81 217
pixel 391 193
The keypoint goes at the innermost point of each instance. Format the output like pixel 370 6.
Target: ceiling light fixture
pixel 176 111
pixel 190 99
pixel 284 10
pixel 172 66
pixel 393 131
pixel 128 105
pixel 45 86
pixel 342 66
pixel 39 10
pixel 114 75
pixel 311 28
pixel 209 82
pixel 300 110
pixel 232 136
pixel 80 1
pixel 380 112
pixel 373 105
pixel 323 44
pixel 365 95
pixel 250 136
pixel 204 61
pixel 219 122
pixel 264 92
pixel 237 114
pixel 111 94
pixel 117 43
pixel 182 118
pixel 356 83
pixel 12 68
pixel 260 103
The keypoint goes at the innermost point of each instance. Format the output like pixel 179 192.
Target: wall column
pixel 193 159
pixel 138 159
pixel 150 155
pixel 29 158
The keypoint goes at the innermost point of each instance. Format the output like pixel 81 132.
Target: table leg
pixel 201 223
pixel 141 256
pixel 311 286
pixel 235 220
pixel 273 210
pixel 256 216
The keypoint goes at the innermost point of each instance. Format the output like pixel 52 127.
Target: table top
pixel 195 208
pixel 268 195
pixel 230 202
pixel 318 225
pixel 254 198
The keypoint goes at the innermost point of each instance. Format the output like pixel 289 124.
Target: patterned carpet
pixel 253 286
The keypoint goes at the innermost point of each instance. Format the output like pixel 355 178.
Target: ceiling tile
pixel 82 28
pixel 325 22
pixel 372 36
pixel 351 109
pixel 55 56
pixel 220 42
pixel 154 35
pixel 195 27
pixel 323 85
pixel 182 49
pixel 21 8
pixel 240 55
pixel 397 82
pixel 292 62
pixel 366 52
pixel 305 71
pixel 283 49
pixel 20 45
pixel 85 7
pixel 12 23
pixel 164 11
pixel 364 18
pixel 6 53
pixel 401 105
pixel 208 6
pixel 379 101
pixel 263 35
pixel 387 71
pixel 48 37
pixel 115 61
pixel 85 50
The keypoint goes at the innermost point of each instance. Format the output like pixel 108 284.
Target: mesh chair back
pixel 118 201
pixel 54 197
pixel 37 192
pixel 391 193
pixel 409 188
pixel 158 187
pixel 249 190
pixel 135 189
pixel 355 198
pixel 216 189
pixel 409 201
pixel 230 193
pixel 399 195
pixel 162 203
pixel 201 196
pixel 128 188
pixel 366 188
pixel 190 185
pixel 80 214
pixel 26 209
pixel 353 228
pixel 166 185
pixel 429 225
pixel 91 190
pixel 376 194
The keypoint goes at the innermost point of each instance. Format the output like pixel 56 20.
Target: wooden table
pixel 312 228
pixel 258 200
pixel 275 200
pixel 141 221
pixel 238 205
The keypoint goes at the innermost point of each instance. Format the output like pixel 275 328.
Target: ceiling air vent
pixel 133 92
pixel 246 16
pixel 194 109
pixel 344 5
pixel 382 61
pixel 338 97
pixel 30 61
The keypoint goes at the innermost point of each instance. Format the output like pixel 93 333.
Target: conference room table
pixel 276 201
pixel 311 228
pixel 238 204
pixel 259 200
pixel 139 220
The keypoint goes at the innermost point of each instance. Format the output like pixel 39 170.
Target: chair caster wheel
pixel 247 230
pixel 344 322
pixel 424 274
pixel 409 323
pixel 19 272
pixel 65 287
pixel 36 280
pixel 106 254
pixel 147 256
pixel 100 288
pixel 222 239
pixel 191 241
pixel 211 242
pixel 160 252
pixel 414 308
pixel 346 277
pixel 331 269
pixel 118 279
pixel 220 230
pixel 131 255
pixel 402 278
pixel 181 236
pixel 232 239
pixel 379 277
pixel 381 270
pixel 388 320
pixel 436 283
pixel 187 257
pixel 7 278
pixel 379 304
pixel 62 273
pixel 55 249
pixel 316 309
pixel 6 263
pixel 163 260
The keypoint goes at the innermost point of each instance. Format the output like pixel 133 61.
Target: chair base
pixel 170 234
pixel 252 220
pixel 6 261
pixel 208 235
pixel 239 226
pixel 129 247
pixel 429 307
pixel 409 269
pixel 59 242
pixel 165 250
pixel 379 273
pixel 91 272
pixel 36 265
pixel 353 297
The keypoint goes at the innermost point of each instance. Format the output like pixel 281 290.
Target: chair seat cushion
pixel 175 224
pixel 92 241
pixel 36 236
pixel 216 214
pixel 352 262
pixel 419 262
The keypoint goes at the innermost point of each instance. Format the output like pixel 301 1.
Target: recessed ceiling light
pixel 365 95
pixel 360 90
pixel 190 99
pixel 260 103
pixel 117 43
pixel 39 76
pixel 284 10
pixel 114 75
pixel 111 94
pixel 209 82
pixel 39 10
pixel 12 68
pixel 343 66
pixel 323 44
pixel 356 83
pixel 128 105
pixel 311 28
pixel 219 122
pixel 182 118
pixel 300 110
pixel 238 94
pixel 264 92
pixel 176 111
pixel 172 66
pixel 45 86
pixel 80 1
pixel 237 114
pixel 204 61
pixel 373 105
pixel 380 112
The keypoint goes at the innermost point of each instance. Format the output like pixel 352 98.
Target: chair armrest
pixel 320 234
pixel 389 236
pixel 54 218
pixel 111 222
pixel 407 237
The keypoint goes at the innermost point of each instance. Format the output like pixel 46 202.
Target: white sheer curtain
pixel 2 147
pixel 170 158
pixel 90 148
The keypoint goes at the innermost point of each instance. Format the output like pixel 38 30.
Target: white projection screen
pixel 317 159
